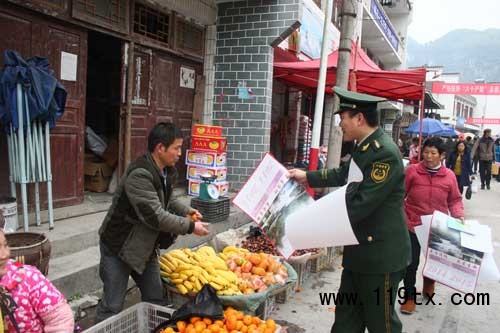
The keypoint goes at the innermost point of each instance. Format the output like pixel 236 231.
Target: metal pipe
pixel 49 176
pixel 20 135
pixel 37 204
pixel 128 112
pixel 320 93
pixel 11 164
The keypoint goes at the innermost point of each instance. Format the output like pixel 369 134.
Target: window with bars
pixel 188 37
pixel 112 14
pixel 151 23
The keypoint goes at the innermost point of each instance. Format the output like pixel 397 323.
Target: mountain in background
pixel 474 54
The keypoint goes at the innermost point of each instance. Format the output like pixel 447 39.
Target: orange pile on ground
pixel 234 322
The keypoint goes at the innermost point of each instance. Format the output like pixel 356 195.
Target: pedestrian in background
pixel 485 148
pixel 459 162
pixel 429 186
pixel 413 155
pixel 139 221
pixel 375 210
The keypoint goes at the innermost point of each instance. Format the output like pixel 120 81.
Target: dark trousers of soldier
pixel 410 278
pixel 485 172
pixel 373 307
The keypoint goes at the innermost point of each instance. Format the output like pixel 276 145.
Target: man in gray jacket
pixel 140 220
pixel 485 148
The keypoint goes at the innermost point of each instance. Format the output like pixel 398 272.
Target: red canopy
pixel 370 79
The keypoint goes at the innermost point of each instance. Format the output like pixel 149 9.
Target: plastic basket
pixel 212 211
pixel 139 318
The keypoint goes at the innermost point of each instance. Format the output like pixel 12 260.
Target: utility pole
pixel 320 93
pixel 348 19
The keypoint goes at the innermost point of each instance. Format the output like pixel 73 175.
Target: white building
pixel 457 108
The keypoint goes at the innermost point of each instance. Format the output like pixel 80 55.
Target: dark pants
pixel 485 172
pixel 410 278
pixel 115 273
pixel 460 187
pixel 374 306
pixel 474 165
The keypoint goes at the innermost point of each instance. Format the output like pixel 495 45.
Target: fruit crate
pixel 284 295
pixel 266 308
pixel 303 272
pixel 139 318
pixel 212 211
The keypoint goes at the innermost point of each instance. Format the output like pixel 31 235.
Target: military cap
pixel 350 100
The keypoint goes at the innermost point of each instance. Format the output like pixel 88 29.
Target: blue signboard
pixel 384 25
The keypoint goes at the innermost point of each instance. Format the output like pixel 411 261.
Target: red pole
pixel 422 110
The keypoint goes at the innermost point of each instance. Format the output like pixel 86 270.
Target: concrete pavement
pixel 304 312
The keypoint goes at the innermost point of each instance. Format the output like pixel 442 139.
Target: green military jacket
pixel 374 206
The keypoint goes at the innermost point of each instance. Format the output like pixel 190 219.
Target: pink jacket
pixel 40 306
pixel 426 193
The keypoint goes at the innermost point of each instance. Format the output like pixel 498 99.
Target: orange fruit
pixel 219 323
pixel 200 326
pixel 214 328
pixel 193 320
pixel 271 323
pixel 207 321
pixel 181 326
pixel 190 330
pixel 247 320
pixel 256 320
pixel 206 330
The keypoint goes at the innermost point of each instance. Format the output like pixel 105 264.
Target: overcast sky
pixel 434 18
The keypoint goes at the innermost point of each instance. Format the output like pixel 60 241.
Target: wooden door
pixel 67 138
pixel 173 101
pixel 35 35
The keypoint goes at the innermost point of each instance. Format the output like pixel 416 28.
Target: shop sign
pixel 311 31
pixel 485 121
pixel 384 24
pixel 466 88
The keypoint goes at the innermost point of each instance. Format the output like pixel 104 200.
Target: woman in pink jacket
pixel 429 186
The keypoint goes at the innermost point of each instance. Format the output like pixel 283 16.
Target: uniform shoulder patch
pixel 376 145
pixel 380 171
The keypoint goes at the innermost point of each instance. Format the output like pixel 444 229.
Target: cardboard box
pixel 97 174
pixel 215 144
pixel 207 130
pixel 205 158
pixel 194 188
pixel 193 173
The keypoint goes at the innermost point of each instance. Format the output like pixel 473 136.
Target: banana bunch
pixel 190 270
pixel 230 251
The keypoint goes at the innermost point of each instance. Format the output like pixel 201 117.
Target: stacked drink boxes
pixel 207 156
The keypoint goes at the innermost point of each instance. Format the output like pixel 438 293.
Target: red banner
pixel 486 121
pixel 466 88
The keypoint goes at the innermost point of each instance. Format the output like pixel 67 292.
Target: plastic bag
pixel 474 186
pixel 205 304
pixel 94 142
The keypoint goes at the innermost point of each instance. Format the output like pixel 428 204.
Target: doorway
pixel 102 111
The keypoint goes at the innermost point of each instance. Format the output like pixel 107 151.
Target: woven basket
pixel 30 248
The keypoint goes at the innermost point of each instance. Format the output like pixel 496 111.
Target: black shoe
pixel 488 186
pixel 482 187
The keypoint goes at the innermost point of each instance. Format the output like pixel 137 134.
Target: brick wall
pixel 247 31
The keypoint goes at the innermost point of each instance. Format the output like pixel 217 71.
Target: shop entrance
pixel 102 111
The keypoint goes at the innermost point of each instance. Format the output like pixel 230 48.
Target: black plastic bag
pixel 205 304
pixel 468 192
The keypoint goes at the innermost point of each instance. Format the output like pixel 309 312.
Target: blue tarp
pixel 46 96
pixel 430 127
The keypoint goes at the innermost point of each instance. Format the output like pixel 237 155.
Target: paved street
pixel 304 312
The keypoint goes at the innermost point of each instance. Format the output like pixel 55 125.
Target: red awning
pixel 370 79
